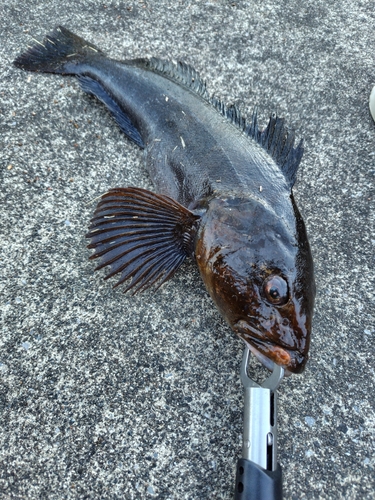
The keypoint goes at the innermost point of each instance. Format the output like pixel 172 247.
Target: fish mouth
pixel 268 353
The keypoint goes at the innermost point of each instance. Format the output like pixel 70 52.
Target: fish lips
pixel 267 352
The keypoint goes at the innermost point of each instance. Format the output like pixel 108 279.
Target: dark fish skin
pixel 234 210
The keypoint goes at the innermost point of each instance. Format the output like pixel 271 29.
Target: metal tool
pixel 259 476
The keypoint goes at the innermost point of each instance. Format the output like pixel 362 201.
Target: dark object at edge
pixel 255 483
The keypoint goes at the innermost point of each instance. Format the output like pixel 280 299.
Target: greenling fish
pixel 224 196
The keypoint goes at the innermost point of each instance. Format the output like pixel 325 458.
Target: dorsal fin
pixel 278 141
pixel 276 138
pixel 182 73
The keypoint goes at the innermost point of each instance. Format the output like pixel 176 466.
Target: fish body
pixel 224 196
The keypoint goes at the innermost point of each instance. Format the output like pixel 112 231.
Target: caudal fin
pixel 58 53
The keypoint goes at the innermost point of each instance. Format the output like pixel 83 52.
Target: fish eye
pixel 276 290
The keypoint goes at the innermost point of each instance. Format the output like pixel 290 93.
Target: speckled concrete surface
pixel 104 395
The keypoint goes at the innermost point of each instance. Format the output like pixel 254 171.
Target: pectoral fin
pixel 141 235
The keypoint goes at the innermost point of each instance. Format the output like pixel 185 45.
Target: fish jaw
pixel 292 360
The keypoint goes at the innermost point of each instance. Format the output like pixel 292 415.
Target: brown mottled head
pixel 257 267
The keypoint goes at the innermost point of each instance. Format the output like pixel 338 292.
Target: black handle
pixel 255 483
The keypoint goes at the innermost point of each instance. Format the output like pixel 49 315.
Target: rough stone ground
pixel 109 396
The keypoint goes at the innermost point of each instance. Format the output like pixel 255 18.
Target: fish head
pixel 257 267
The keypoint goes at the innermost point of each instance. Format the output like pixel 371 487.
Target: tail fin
pixel 58 53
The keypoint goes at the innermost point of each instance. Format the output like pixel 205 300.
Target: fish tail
pixel 59 53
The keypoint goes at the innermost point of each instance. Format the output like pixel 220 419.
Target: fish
pixel 223 196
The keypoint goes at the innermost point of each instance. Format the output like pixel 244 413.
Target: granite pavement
pixel 105 395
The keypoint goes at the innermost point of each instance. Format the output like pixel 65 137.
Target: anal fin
pixel 95 88
pixel 141 235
